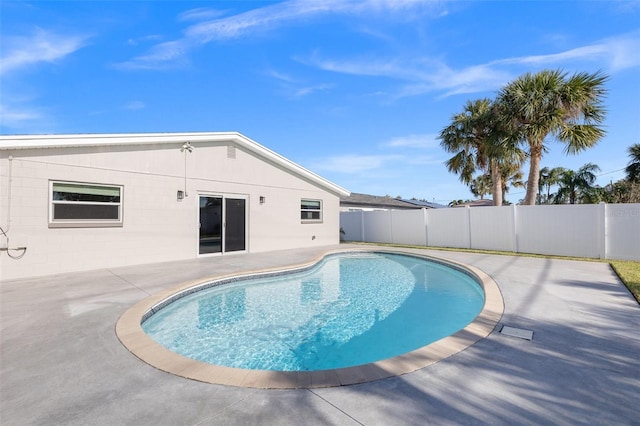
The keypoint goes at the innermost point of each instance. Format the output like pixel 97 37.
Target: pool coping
pixel 130 333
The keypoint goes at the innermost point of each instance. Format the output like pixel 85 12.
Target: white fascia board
pixel 288 164
pixel 88 140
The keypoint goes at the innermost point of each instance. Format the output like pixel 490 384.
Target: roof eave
pixel 20 142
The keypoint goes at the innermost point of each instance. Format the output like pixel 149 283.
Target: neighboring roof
pixel 426 204
pixel 374 201
pixel 476 203
pixel 132 139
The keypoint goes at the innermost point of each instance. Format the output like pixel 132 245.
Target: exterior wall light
pixel 263 199
pixel 180 195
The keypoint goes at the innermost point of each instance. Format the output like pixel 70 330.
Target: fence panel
pixel 377 226
pixel 623 231
pixel 610 231
pixel 351 223
pixel 448 227
pixel 492 228
pixel 408 227
pixel 565 230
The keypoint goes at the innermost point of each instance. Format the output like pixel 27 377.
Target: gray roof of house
pixel 375 201
pixel 476 203
pixel 426 204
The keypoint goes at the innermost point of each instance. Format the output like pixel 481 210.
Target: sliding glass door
pixel 223 224
pixel 235 238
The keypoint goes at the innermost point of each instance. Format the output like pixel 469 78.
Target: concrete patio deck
pixel 61 362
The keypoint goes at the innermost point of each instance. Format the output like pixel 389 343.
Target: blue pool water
pixel 350 309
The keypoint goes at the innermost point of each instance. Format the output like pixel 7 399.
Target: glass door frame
pixel 224 197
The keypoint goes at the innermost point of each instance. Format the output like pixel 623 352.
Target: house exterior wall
pixel 156 226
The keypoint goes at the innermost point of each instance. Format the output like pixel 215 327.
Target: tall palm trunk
pixel 535 150
pixel 496 183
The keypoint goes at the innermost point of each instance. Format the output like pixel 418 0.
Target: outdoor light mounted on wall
pixel 180 195
pixel 187 146
pixel 263 199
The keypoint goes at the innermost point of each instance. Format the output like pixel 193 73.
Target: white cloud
pixel 165 55
pixel 423 160
pixel 20 119
pixel 199 14
pixel 353 164
pixel 135 105
pixel 296 88
pixel 264 19
pixel 624 52
pixel 149 38
pixel 280 76
pixel 615 54
pixel 307 90
pixel 20 52
pixel 275 15
pixel 421 141
pixel 425 75
pixel 422 74
pixel 14 116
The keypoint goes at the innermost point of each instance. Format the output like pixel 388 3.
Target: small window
pixel 85 204
pixel 311 210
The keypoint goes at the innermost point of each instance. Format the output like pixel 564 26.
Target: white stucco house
pixel 79 202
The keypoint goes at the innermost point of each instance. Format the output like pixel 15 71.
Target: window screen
pixel 85 204
pixel 311 210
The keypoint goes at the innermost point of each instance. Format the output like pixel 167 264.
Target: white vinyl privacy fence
pixel 606 231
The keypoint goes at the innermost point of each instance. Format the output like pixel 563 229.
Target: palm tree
pixel 479 144
pixel 548 178
pixel 466 137
pixel 512 176
pixel 481 186
pixel 548 103
pixel 633 168
pixel 577 186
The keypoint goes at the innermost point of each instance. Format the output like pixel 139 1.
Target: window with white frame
pixel 311 210
pixel 76 204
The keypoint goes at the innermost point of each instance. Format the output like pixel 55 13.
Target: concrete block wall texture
pixel 606 231
pixel 156 226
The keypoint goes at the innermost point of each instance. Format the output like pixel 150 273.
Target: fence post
pixel 468 209
pixel 514 229
pixel 425 223
pixel 602 230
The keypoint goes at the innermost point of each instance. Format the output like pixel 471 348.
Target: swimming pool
pixel 130 333
pixel 348 310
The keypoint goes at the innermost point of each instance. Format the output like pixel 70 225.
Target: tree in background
pixel 481 186
pixel 570 109
pixel 633 168
pixel 467 138
pixel 479 143
pixel 512 176
pixel 577 186
pixel 548 178
pixel 622 191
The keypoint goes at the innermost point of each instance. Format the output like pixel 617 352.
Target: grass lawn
pixel 629 273
pixel 627 270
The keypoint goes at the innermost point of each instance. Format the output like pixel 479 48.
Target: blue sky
pixel 356 91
